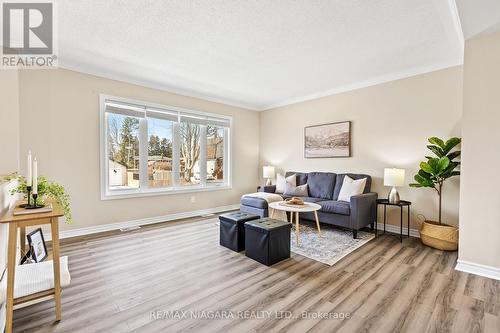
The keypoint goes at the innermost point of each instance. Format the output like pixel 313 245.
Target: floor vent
pixel 129 229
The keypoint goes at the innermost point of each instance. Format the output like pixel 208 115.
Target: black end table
pixel 401 204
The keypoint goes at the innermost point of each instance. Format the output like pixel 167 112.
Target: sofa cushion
pixel 301 177
pixel 298 191
pixel 340 180
pixel 254 202
pixel 321 184
pixel 335 207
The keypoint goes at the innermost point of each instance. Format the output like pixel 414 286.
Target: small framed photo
pixel 328 140
pixel 36 242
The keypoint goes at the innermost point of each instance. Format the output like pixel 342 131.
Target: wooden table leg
pixel 317 223
pixel 22 237
pixel 11 270
pixel 54 226
pixel 297 227
pixel 291 218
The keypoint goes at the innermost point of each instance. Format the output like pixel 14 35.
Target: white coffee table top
pixel 307 207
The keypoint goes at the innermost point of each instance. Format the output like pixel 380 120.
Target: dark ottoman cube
pixel 232 229
pixel 267 240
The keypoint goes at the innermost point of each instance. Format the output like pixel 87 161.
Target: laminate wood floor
pixel 132 282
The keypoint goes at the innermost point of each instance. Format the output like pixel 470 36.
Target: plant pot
pixel 439 236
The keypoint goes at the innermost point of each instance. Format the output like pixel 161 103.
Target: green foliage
pixel 440 167
pixel 46 190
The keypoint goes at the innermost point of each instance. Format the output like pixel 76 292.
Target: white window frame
pixel 176 188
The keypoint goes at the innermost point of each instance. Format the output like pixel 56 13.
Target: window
pixel 149 149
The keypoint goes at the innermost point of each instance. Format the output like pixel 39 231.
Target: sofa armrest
pixel 267 188
pixel 363 210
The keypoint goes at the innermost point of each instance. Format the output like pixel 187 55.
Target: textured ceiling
pixel 258 54
pixel 479 16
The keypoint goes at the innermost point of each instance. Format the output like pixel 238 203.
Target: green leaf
pixel 454 155
pixel 443 164
pixel 437 141
pixel 436 150
pixel 423 181
pixel 434 165
pixel 426 167
pixel 415 185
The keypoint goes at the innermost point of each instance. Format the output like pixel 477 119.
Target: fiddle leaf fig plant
pixel 437 169
pixel 46 190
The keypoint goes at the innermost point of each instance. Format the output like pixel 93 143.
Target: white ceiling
pixel 258 54
pixel 479 16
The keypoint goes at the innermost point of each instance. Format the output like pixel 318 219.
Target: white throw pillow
pixel 297 191
pixel 351 187
pixel 281 182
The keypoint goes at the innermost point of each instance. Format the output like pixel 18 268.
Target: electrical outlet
pixel 193 199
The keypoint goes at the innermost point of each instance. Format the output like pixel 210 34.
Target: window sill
pixel 124 194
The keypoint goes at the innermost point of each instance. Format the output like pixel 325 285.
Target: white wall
pixel 480 195
pixel 390 126
pixel 59 111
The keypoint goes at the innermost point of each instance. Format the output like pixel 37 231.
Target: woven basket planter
pixel 439 236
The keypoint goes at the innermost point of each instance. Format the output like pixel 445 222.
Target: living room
pixel 250 166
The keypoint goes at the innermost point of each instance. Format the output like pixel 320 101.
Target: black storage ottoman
pixel 232 229
pixel 267 240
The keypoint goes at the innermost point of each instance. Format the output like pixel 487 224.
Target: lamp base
pixel 393 196
pixel 269 182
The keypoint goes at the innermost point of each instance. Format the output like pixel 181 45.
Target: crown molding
pixel 368 83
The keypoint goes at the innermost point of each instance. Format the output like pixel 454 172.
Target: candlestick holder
pixel 28 188
pixel 35 204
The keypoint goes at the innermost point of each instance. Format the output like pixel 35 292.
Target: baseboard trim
pixel 141 222
pixel 395 229
pixel 478 269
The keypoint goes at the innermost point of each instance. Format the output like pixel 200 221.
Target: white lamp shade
pixel 394 177
pixel 268 172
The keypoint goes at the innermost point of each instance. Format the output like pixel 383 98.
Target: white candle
pixel 35 176
pixel 29 174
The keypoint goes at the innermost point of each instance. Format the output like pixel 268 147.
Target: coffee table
pixel 307 207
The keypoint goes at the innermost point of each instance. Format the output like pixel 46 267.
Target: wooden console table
pixel 21 222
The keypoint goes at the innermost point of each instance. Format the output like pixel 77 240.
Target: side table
pixel 401 204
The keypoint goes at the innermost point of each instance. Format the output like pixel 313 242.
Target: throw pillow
pixel 351 187
pixel 296 191
pixel 281 182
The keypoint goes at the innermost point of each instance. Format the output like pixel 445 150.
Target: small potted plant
pixel 433 173
pixel 46 190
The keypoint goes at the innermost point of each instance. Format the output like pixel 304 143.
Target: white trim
pixel 395 230
pixel 140 222
pixel 367 83
pixel 457 22
pixel 478 269
pixel 104 73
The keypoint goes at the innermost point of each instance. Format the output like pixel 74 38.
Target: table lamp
pixel 268 172
pixel 394 177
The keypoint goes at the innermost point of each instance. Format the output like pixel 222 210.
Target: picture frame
pixel 36 242
pixel 330 140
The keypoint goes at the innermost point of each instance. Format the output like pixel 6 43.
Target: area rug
pixel 334 245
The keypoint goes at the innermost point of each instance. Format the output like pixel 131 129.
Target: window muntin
pixel 170 149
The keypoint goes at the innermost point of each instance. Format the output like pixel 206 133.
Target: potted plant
pixel 433 173
pixel 46 190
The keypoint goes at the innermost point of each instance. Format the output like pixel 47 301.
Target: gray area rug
pixel 334 245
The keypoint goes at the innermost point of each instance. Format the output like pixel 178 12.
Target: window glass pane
pixel 215 154
pixel 123 151
pixel 159 152
pixel 189 153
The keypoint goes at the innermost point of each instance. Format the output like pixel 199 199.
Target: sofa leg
pixel 354 234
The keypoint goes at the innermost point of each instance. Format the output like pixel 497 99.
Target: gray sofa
pixel 324 189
